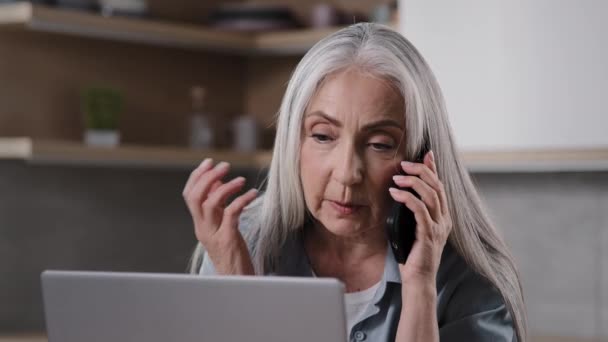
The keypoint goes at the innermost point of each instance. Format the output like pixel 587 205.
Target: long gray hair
pixel 381 51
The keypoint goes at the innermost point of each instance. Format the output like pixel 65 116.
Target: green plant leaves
pixel 102 107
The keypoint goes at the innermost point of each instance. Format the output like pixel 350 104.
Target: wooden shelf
pixel 155 32
pixel 62 152
pixel 538 160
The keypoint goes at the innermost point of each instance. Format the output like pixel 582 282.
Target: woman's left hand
pixel 434 223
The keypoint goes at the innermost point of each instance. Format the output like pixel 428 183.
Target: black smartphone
pixel 401 223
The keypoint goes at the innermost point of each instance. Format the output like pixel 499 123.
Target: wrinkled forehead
pixel 353 94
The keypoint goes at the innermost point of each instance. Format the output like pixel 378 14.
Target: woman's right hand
pixel 215 224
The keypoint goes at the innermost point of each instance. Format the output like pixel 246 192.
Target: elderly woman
pixel 360 107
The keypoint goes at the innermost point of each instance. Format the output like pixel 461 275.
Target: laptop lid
pixel 154 307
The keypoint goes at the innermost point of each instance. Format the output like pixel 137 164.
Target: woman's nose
pixel 349 167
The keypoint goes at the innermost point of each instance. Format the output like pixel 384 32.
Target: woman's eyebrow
pixel 381 123
pixel 367 127
pixel 333 121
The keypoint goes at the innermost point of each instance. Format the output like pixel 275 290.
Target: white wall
pixel 516 73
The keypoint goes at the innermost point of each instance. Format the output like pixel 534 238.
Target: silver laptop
pixel 152 307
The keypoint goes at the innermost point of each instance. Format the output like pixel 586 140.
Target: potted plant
pixel 102 107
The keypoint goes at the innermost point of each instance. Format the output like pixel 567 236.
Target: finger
pixel 218 198
pixel 203 167
pixel 427 194
pixel 214 186
pixel 443 197
pixel 234 209
pixel 432 164
pixel 423 218
pixel 429 161
pixel 201 188
pixel 421 170
pixel 441 191
pixel 430 177
pixel 212 208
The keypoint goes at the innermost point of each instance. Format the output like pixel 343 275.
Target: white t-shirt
pixel 356 304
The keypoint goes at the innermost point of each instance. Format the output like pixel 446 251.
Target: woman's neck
pixel 347 249
pixel 356 260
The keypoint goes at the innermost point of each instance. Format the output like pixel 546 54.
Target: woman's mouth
pixel 345 208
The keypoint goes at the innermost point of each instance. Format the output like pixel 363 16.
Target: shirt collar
pixel 295 263
pixel 391 267
pixel 299 265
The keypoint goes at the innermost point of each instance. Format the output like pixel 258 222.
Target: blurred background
pixel 107 105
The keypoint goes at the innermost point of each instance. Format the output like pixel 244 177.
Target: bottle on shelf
pixel 245 130
pixel 201 125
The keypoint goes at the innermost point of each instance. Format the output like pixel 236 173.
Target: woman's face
pixel 350 141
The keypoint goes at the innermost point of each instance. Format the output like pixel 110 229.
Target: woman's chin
pixel 342 231
pixel 344 227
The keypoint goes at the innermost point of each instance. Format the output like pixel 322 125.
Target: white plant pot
pixel 102 138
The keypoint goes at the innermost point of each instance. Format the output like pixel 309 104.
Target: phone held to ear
pixel 401 223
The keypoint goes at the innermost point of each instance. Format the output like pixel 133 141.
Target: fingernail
pixel 206 162
pixel 406 163
pixel 222 165
pixel 398 178
pixel 240 179
pixel 432 156
pixel 393 190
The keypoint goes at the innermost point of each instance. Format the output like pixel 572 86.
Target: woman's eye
pixel 322 138
pixel 381 147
